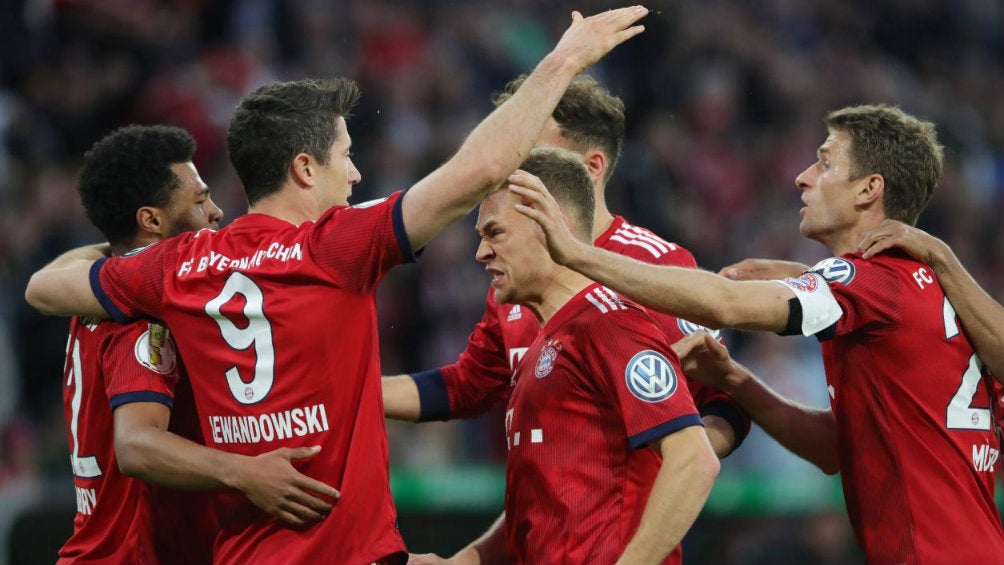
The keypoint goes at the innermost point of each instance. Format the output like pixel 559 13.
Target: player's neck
pixel 562 288
pixel 602 218
pixel 846 241
pixel 281 206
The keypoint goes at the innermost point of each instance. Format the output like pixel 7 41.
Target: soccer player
pixel 277 309
pixel 607 460
pixel 590 121
pixel 138 186
pixel 910 424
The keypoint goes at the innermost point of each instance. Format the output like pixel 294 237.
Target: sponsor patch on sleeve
pixel 820 309
pixel 650 376
pixel 834 270
pixel 155 350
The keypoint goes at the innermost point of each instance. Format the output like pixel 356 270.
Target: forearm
pixel 488 549
pixel 721 435
pixel 681 487
pixel 699 296
pixel 807 432
pixel 161 457
pixel 400 398
pixel 982 317
pixel 62 288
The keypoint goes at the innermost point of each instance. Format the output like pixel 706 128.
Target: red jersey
pixel 481 376
pixel 281 322
pixel 598 384
pixel 912 409
pixel 119 519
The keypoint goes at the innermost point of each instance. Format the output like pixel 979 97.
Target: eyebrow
pixel 482 229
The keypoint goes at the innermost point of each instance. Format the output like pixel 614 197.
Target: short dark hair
pixel 589 116
pixel 280 120
pixel 567 179
pixel 128 169
pixel 903 149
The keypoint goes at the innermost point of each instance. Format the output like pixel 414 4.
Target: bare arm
pixel 62 287
pixel 500 143
pixel 400 398
pixel 807 432
pixel 146 450
pixel 488 549
pixel 691 294
pixel 982 317
pixel 762 270
pixel 682 486
pixel 720 434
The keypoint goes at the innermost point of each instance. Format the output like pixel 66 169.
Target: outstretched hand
pixel 919 244
pixel 587 40
pixel 542 208
pixel 704 359
pixel 272 483
pixel 762 270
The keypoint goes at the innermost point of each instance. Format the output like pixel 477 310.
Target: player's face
pixel 340 173
pixel 512 249
pixel 827 192
pixel 190 207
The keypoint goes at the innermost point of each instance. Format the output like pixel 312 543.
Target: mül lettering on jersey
pixel 984 458
pixel 87 499
pixel 271 426
pixel 219 262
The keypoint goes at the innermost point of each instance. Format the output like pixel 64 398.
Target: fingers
pixel 313 485
pixel 576 16
pixel 298 452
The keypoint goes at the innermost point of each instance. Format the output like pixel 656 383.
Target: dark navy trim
pixel 664 429
pixel 828 333
pixel 103 299
pixel 142 396
pixel 434 400
pixel 400 234
pixel 794 325
pixel 732 415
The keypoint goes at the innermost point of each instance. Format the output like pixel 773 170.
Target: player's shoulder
pixel 853 270
pixel 643 244
pixel 602 306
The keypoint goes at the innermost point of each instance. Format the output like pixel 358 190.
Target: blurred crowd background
pixel 725 101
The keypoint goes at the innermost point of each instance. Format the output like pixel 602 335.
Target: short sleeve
pixel 140 364
pixel 131 286
pixel 357 245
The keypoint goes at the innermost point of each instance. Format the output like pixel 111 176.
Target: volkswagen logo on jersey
pixel 545 363
pixel 688 327
pixel 835 269
pixel 650 376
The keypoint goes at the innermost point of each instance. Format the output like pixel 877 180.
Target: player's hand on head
pixel 890 234
pixel 704 359
pixel 541 207
pixel 762 270
pixel 273 484
pixel 588 39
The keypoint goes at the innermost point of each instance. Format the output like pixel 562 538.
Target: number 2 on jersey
pixel 84 467
pixel 257 333
pixel 960 414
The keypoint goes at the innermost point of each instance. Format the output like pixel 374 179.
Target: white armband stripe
pixel 820 309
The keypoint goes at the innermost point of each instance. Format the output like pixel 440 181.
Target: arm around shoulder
pixel 63 288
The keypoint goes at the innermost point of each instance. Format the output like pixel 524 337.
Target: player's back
pixel 917 446
pixel 277 325
pixel 112 524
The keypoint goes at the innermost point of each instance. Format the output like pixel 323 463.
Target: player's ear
pixel 150 219
pixel 596 163
pixel 303 169
pixel 871 190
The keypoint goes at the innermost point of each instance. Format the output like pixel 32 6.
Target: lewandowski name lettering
pixel 270 426
pixel 220 262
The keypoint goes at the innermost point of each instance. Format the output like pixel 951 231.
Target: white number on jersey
pixel 960 414
pixel 83 467
pixel 257 333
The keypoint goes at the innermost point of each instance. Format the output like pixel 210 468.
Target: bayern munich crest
pixel 545 363
pixel 835 269
pixel 805 283
pixel 651 377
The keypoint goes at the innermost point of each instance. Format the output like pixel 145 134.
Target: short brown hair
pixel 567 179
pixel 903 149
pixel 589 116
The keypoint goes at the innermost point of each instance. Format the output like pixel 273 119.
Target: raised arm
pixel 62 287
pixel 145 449
pixel 683 484
pixel 500 143
pixel 982 317
pixel 699 296
pixel 807 432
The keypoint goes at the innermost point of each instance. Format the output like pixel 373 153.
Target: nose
pixel 215 213
pixel 803 180
pixel 354 175
pixel 484 252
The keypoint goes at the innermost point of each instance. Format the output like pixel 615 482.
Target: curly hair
pixel 903 149
pixel 588 114
pixel 127 169
pixel 280 120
